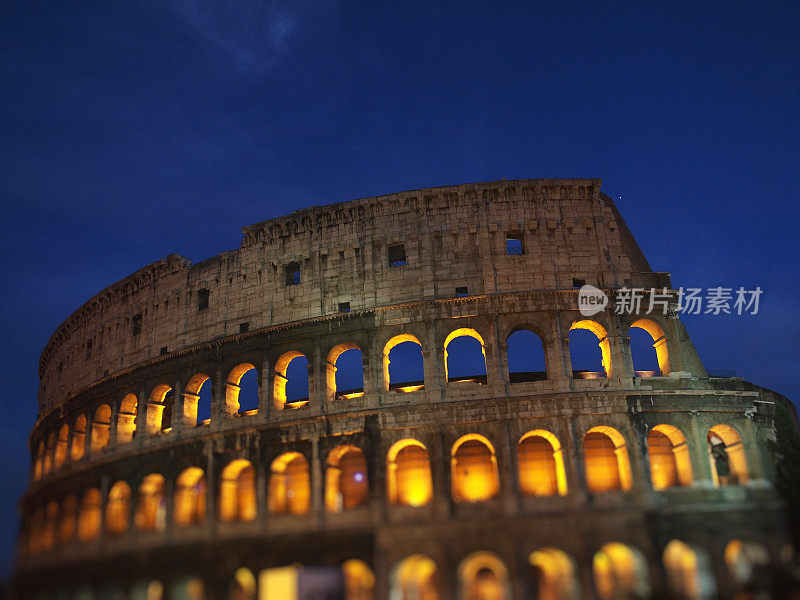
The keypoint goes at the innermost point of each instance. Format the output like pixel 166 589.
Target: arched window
pixel 49 449
pixel 159 409
pixel 553 575
pixel 589 350
pixel 649 351
pixel 606 460
pixel 474 469
pixel 90 515
pixel 291 380
pixel 465 356
pixel 526 357
pixel 237 492
pixel 726 451
pixel 190 497
pixel 409 473
pixel 68 521
pixel 101 424
pixel 414 578
pixel 126 419
pixel 670 464
pixel 689 574
pixel 483 576
pixel 403 366
pixel 344 372
pixel 147 590
pixel 197 400
pixel 359 580
pixel 50 526
pixel 241 391
pixel 151 504
pixel 541 465
pixel 62 441
pixel 38 523
pixel 289 485
pixel 243 586
pixel 346 484
pixel 78 444
pixel 38 465
pixel 743 559
pixel 620 572
pixel 118 508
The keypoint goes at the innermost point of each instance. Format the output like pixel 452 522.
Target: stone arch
pixel 526 356
pixel 118 508
pixel 553 575
pixel 397 383
pixel 281 379
pixel 483 576
pixel 335 390
pixel 101 426
pixel 38 464
pixel 453 372
pixel 49 526
pixel 126 419
pixel 541 464
pixel 49 449
pixel 620 573
pixel 151 504
pixel 289 489
pixel 743 558
pixel 408 475
pixel 233 403
pixel 187 588
pixel 727 456
pixel 243 585
pixel 90 515
pixel 605 348
pixel 655 331
pixel 190 497
pixel 670 463
pixel 62 442
pixel 197 402
pixel 159 409
pixel 359 580
pixel 473 466
pixel 346 482
pixel 689 571
pixel 69 520
pixel 414 577
pixel 147 590
pixel 237 492
pixel 78 441
pixel 606 460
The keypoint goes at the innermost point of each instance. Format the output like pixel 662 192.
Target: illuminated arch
pixel 670 464
pixel 289 489
pixel 541 464
pixel 602 337
pixel 483 576
pixel 118 508
pixel 78 441
pixel 68 521
pixel 659 343
pixel 187 588
pixel 522 366
pixel 36 531
pixel 147 590
pixel 346 484
pixel 126 419
pixel 554 575
pixel 159 409
pixel 473 466
pixel 359 580
pixel 190 497
pixel 409 473
pixel 38 465
pixel 689 574
pixel 243 586
pixel 50 526
pixel 726 452
pixel 401 386
pixel 237 492
pixel 101 424
pixel 49 448
pixel 743 558
pixel 62 441
pixel 151 504
pixel 90 515
pixel 193 413
pixel 620 572
pixel 331 370
pixel 415 577
pixel 606 460
pixel 468 333
pixel 233 389
pixel 281 379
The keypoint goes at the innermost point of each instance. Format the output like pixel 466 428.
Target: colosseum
pixel 200 437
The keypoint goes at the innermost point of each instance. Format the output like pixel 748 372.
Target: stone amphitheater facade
pixel 558 484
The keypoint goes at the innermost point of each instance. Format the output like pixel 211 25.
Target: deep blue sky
pixel 132 130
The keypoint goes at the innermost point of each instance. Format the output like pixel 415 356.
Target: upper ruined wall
pixel 453 236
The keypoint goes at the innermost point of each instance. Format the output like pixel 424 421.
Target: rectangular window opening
pixel 578 283
pixel 243 327
pixel 203 297
pixel 397 255
pixel 292 273
pixel 514 245
pixel 136 324
pixel 344 307
pixel 462 291
pixel 164 350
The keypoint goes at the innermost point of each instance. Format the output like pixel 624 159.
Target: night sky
pixel 133 130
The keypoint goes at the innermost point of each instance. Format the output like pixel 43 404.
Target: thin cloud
pixel 252 35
